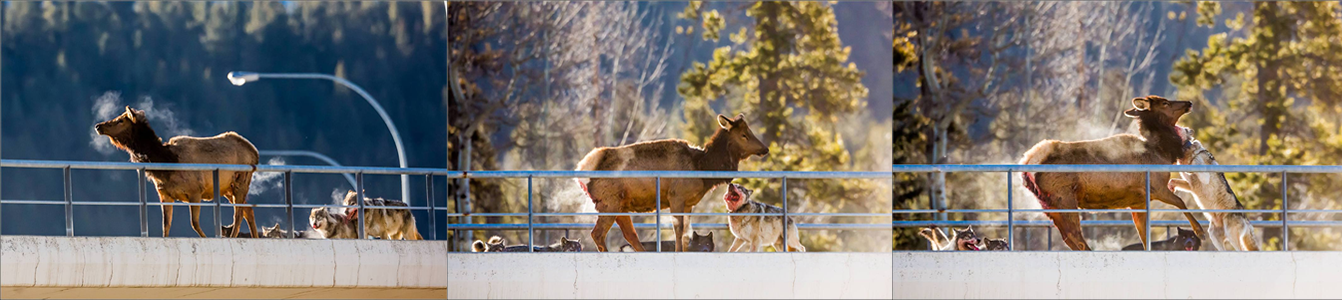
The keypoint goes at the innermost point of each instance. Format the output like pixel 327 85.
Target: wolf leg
pixel 737 244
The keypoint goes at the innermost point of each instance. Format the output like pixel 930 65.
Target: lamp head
pixel 240 78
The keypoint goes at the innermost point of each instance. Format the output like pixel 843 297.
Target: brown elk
pixel 1160 142
pixel 731 143
pixel 131 132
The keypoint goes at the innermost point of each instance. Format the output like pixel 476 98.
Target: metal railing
pixel 287 170
pixel 531 226
pixel 1011 223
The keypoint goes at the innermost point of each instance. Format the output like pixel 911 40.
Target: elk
pixel 131 132
pixel 730 144
pixel 1160 142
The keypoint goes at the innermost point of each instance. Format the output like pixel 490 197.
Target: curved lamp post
pixel 240 78
pixel 311 154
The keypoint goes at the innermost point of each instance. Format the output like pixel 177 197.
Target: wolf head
pixel 567 245
pixel 1187 240
pixel 736 196
pixel 700 243
pixel 965 239
pixel 995 245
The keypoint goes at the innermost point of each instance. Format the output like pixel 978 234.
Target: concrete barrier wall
pixel 1118 275
pixel 663 275
pixel 37 262
pixel 904 275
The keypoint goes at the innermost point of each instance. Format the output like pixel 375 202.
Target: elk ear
pixel 740 117
pixel 131 112
pixel 1133 113
pixel 724 122
pixel 1141 103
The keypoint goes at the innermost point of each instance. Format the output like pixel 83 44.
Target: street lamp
pixel 240 78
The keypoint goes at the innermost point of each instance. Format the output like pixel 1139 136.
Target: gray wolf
pixel 698 243
pixel 756 231
pixel 1228 231
pixel 960 240
pixel 497 244
pixel 385 223
pixel 1186 240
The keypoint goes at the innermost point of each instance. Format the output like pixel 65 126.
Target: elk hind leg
pixel 195 218
pixel 603 224
pixel 1069 226
pixel 1167 196
pixel 627 228
pixel 1139 220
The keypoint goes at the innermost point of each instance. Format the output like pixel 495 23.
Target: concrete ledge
pixel 663 275
pixel 37 266
pixel 1118 275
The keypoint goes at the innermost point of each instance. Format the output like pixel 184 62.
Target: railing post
pixel 658 233
pixel 428 194
pixel 1011 225
pixel 1285 226
pixel 144 210
pixel 784 215
pixel 69 202
pixel 358 179
pixel 218 219
pixel 531 228
pixel 1147 242
pixel 289 201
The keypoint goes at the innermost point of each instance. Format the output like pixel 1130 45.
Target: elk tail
pixel 1036 156
pixel 589 163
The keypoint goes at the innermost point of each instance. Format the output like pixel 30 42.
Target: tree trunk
pixel 1271 102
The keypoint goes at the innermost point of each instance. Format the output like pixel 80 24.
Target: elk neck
pixel 144 145
pixel 1162 136
pixel 718 156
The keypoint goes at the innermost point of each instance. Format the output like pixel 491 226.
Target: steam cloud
pixel 109 105
pixel 265 181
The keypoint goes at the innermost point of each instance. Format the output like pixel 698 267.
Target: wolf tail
pixel 412 233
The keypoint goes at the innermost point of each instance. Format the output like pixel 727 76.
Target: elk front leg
pixel 679 225
pixel 167 212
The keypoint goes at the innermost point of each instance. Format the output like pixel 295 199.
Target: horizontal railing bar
pixel 678 174
pixel 88 165
pixel 924 211
pixel 33 202
pixel 523 226
pixel 1117 168
pixel 1102 223
pixel 1269 211
pixel 254 205
pixel 649 214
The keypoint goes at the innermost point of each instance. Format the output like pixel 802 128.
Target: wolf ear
pixel 724 122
